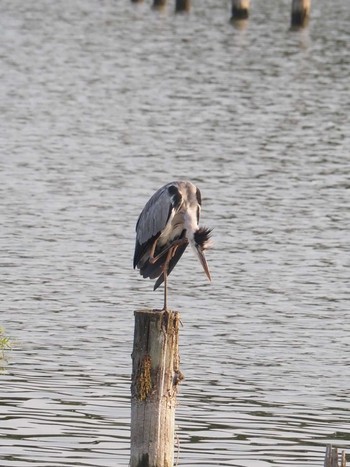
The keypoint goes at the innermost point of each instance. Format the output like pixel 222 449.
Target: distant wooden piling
pixel 159 4
pixel 240 9
pixel 300 13
pixel 331 458
pixel 155 377
pixel 182 6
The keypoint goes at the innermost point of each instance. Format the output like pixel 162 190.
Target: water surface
pixel 101 104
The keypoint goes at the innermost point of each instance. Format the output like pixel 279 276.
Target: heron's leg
pixel 151 254
pixel 175 243
pixel 165 274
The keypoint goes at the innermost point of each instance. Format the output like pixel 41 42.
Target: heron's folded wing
pixel 154 217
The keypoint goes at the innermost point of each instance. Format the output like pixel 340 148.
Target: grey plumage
pixel 166 225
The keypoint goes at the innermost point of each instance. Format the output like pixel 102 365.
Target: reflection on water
pixel 100 106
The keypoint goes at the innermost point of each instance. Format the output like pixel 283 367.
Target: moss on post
pixel 143 379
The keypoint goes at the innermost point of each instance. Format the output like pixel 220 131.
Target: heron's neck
pixel 190 224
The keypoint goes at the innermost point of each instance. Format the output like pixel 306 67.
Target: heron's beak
pixel 203 261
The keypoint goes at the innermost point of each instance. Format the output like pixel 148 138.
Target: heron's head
pixel 202 241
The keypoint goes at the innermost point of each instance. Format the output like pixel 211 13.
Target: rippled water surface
pixel 103 102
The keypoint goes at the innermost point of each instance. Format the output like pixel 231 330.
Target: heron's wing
pixel 157 212
pixel 154 217
pixel 179 252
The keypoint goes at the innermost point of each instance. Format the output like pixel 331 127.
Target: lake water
pixel 102 102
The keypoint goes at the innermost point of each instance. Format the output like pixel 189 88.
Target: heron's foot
pixel 165 320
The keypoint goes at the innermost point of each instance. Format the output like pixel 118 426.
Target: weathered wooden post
pixel 300 13
pixel 155 376
pixel 331 457
pixel 159 4
pixel 240 9
pixel 182 5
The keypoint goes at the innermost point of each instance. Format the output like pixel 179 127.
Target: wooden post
pixel 182 5
pixel 331 458
pixel 300 13
pixel 159 4
pixel 155 376
pixel 240 9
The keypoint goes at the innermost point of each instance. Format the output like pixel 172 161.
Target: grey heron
pixel 165 227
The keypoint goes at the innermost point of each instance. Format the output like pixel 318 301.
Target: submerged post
pixel 159 4
pixel 240 9
pixel 155 376
pixel 300 13
pixel 182 5
pixel 331 457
